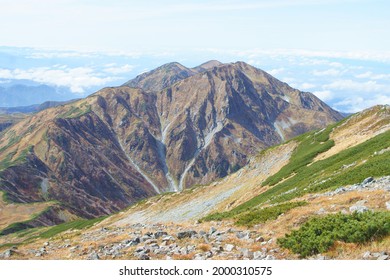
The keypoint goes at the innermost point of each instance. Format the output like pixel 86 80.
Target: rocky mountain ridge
pixel 179 127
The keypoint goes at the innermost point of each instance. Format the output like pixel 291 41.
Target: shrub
pixel 250 218
pixel 319 234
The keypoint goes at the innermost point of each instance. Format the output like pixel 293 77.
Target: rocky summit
pixel 164 131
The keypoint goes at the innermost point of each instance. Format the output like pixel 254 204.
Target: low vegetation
pixel 318 235
pixel 78 224
pixel 301 176
pixel 255 216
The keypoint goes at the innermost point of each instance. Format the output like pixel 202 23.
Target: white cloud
pixel 324 95
pixel 276 71
pixel 306 86
pixel 5 74
pixel 381 56
pixel 364 75
pixel 329 72
pixel 77 79
pixel 359 103
pixel 373 76
pixel 369 86
pixel 112 69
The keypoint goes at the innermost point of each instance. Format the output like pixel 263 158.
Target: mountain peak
pixel 161 77
pixel 207 65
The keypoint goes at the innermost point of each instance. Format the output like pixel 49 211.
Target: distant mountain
pixel 18 95
pixel 33 108
pixel 166 130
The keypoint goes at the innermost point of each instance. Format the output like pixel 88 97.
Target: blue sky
pixel 340 50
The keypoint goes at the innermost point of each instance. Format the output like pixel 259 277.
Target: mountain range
pixel 166 130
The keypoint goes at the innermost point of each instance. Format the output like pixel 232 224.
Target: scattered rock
pixel 143 257
pixel 212 230
pixel 168 238
pixel 199 257
pixel 150 241
pixel 260 239
pixel 388 205
pixel 361 202
pixel 246 253
pixel 159 234
pixel 258 255
pixel 383 258
pixel 367 180
pixel 7 253
pixel 228 247
pixel 367 255
pixel 186 234
pixel 93 256
pixel 321 211
pixel 358 208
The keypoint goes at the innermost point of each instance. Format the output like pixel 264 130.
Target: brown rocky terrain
pixel 167 226
pixel 179 127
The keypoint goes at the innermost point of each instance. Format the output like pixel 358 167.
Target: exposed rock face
pixel 178 128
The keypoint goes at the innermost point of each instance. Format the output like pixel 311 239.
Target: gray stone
pixel 93 256
pixel 367 255
pixel 168 238
pixel 186 234
pixel 143 257
pixel 212 230
pixel 388 205
pixel 183 251
pixel 367 180
pixel 246 253
pixel 383 258
pixel 8 253
pixel 258 255
pixel 243 235
pixel 269 258
pixel 321 211
pixel 145 237
pixel 358 208
pixel 361 202
pixel 199 257
pixel 228 247
pixel 376 255
pixel 159 234
pixel 260 239
pixel 150 241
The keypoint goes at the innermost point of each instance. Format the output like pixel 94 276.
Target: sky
pixel 339 50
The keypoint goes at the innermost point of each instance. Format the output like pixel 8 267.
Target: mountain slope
pixel 264 196
pixel 97 155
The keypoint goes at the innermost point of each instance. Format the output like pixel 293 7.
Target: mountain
pixel 17 95
pixel 177 129
pixel 161 77
pixel 33 108
pixel 331 180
